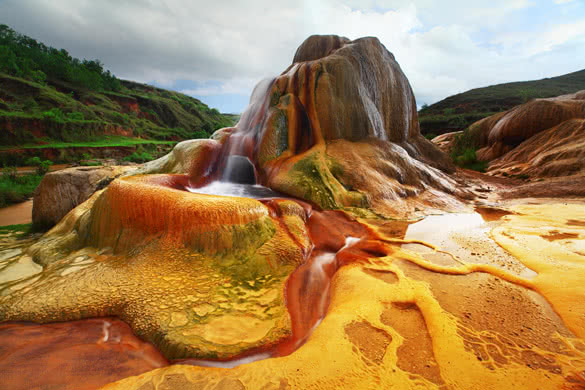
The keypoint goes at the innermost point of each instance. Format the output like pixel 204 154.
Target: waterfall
pixel 247 135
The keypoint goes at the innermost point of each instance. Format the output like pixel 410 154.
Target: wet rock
pixel 193 157
pixel 239 169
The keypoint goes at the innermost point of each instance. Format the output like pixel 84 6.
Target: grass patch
pixel 16 189
pixel 139 157
pixel 106 141
pixel 23 229
pixel 464 149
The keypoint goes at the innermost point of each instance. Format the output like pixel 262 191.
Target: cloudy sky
pixel 217 50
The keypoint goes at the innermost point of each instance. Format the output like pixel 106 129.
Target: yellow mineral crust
pixel 550 240
pixel 387 329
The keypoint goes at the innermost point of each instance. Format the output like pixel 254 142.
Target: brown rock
pixel 558 151
pixel 445 141
pixel 339 95
pixel 502 132
pixel 62 191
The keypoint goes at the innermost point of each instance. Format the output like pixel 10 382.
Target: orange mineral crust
pixel 79 355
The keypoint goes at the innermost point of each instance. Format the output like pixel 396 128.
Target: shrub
pixel 469 160
pixel 200 134
pixel 55 114
pixel 75 116
pixel 9 173
pixel 139 157
pixel 39 76
pixel 430 136
pixel 42 166
pixel 30 104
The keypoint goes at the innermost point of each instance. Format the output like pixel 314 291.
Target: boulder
pixel 193 157
pixel 61 191
pixel 543 138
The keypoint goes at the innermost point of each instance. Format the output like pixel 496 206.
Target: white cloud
pixel 225 47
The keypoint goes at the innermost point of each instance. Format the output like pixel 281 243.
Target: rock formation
pixel 543 138
pixel 337 129
pixel 338 96
pixel 502 132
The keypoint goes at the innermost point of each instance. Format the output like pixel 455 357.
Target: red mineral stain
pixel 76 355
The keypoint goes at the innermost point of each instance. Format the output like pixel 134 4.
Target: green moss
pixel 313 184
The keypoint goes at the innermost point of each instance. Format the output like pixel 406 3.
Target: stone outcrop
pixel 555 152
pixel 339 95
pixel 61 191
pixel 500 133
pixel 445 141
pixel 543 138
pixel 197 275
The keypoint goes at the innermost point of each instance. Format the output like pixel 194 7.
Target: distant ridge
pixel 457 112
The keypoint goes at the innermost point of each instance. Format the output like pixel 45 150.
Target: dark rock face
pixel 239 169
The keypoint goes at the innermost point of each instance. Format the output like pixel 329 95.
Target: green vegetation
pixel 50 100
pixel 464 148
pixel 459 111
pixel 15 188
pixel 22 56
pixel 106 141
pixel 23 229
pixel 139 157
pixel 41 165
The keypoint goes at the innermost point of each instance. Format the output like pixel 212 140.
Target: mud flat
pixel 17 214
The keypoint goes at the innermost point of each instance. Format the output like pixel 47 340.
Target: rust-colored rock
pixel 77 355
pixel 195 158
pixel 445 141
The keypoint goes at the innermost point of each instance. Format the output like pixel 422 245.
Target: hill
pixel 58 107
pixel 459 111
